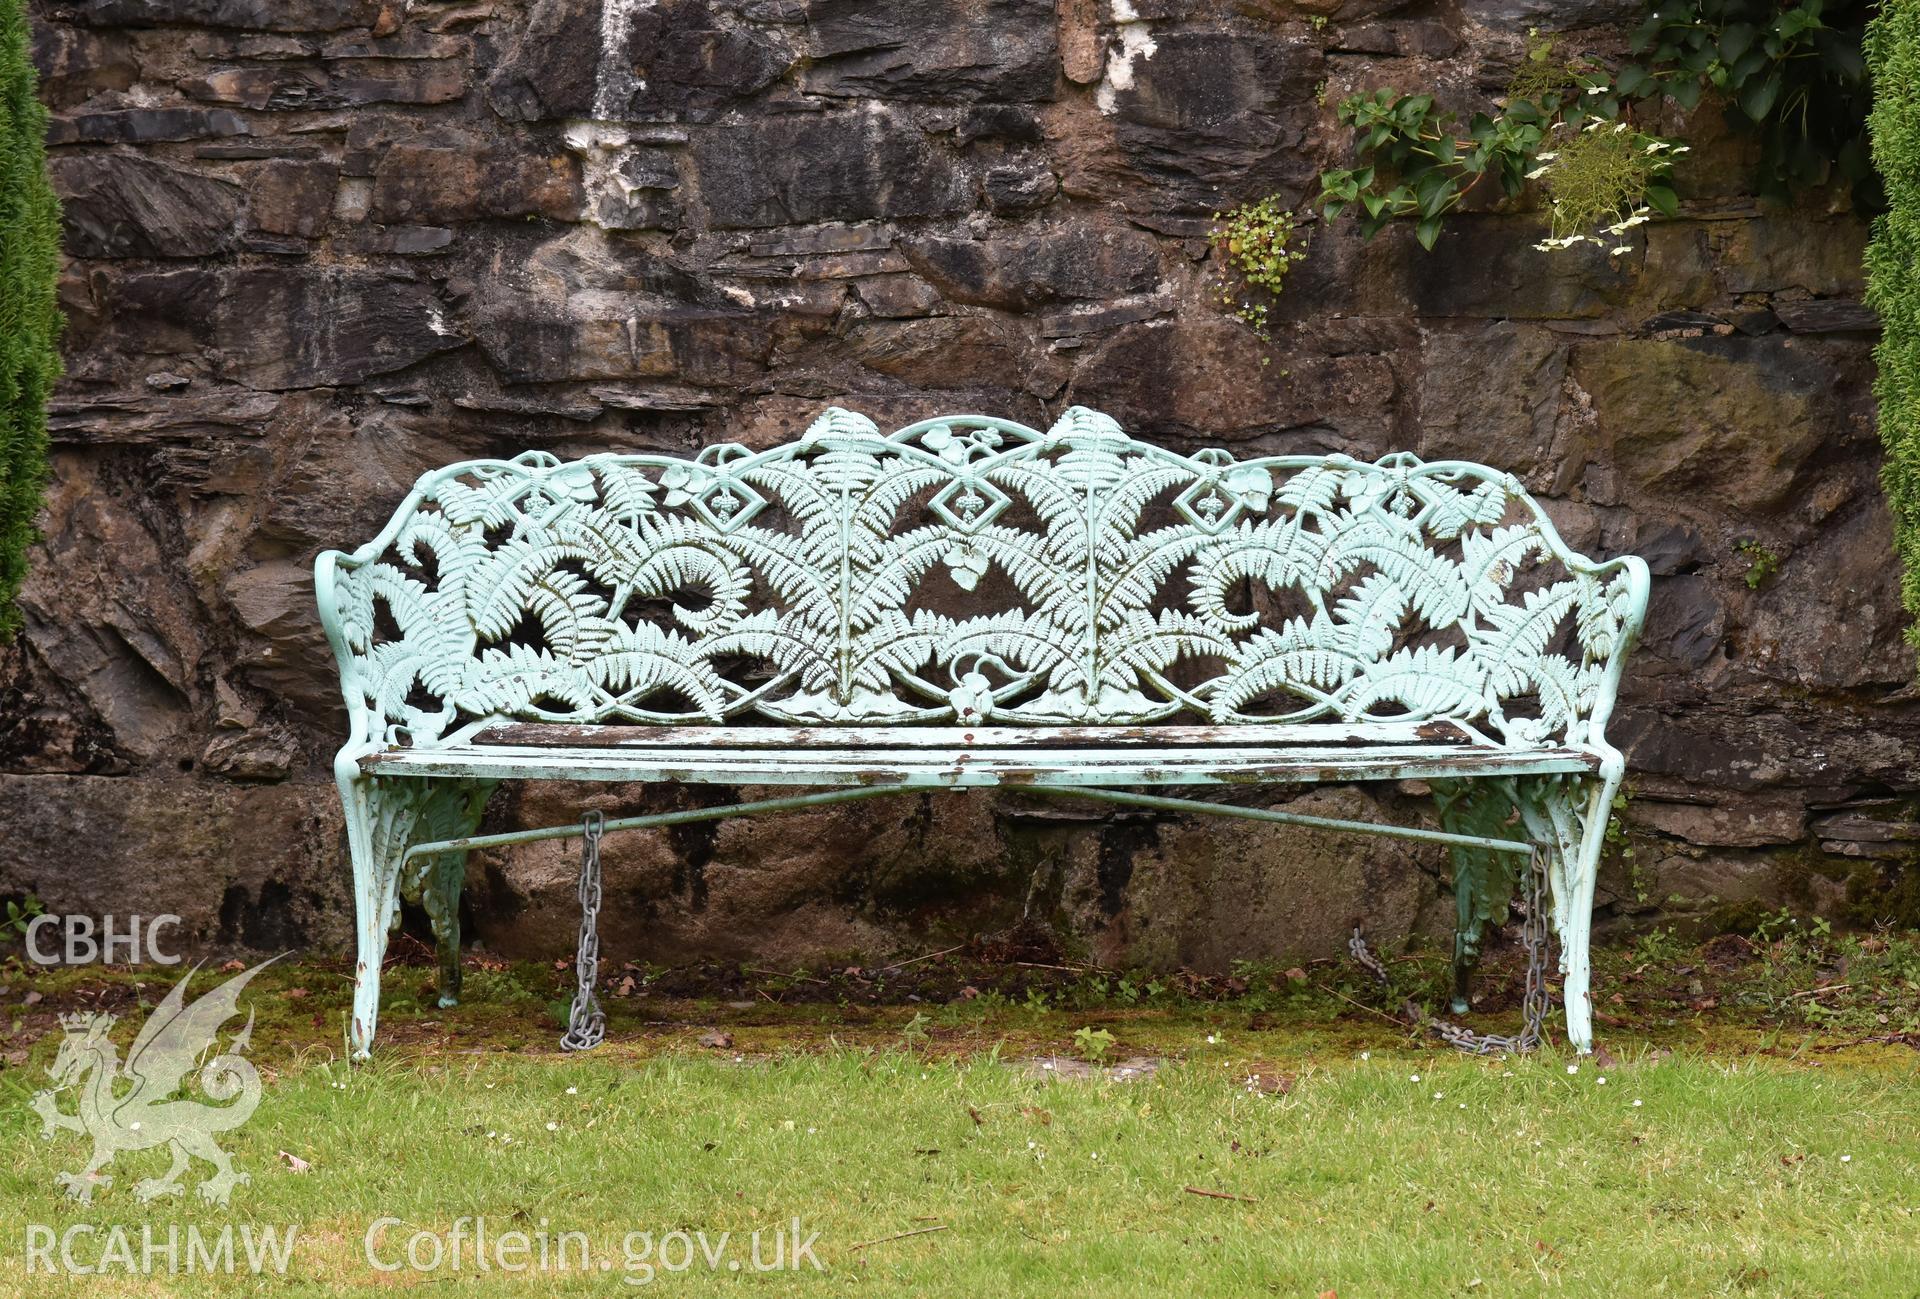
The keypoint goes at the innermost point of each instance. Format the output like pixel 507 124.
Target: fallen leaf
pixel 716 1038
pixel 296 1163
pixel 294 994
pixel 232 966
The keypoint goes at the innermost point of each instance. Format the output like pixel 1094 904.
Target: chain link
pixel 586 1022
pixel 1533 935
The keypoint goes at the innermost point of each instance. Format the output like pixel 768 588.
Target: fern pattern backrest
pixel 970 568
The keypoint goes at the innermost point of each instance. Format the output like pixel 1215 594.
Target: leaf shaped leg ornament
pixel 384 815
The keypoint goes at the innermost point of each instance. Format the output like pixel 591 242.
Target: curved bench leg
pixel 384 815
pixel 1588 805
pixel 1568 816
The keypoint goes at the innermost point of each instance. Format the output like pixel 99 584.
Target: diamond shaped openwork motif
pixel 969 504
pixel 1208 505
pixel 727 503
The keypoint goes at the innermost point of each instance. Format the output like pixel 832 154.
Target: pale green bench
pixel 970 602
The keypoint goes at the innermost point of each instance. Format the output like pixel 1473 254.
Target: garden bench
pixel 969 602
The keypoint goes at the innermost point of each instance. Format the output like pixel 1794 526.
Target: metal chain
pixel 1533 935
pixel 586 1022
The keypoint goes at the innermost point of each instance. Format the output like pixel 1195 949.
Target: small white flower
pixel 1601 1081
pixel 1032 1145
pixel 1413 1077
pixel 1439 1096
pixel 134 1126
pixel 573 1091
pixel 1545 157
pixel 1636 1104
pixel 1623 248
pixel 1046 1064
pixel 1366 1055
pixel 1846 1159
pixel 553 1127
pixel 1213 1039
pixel 1538 172
pixel 491 1134
pixel 812 1131
pixel 1463 1105
pixel 786 1125
pixel 1573 1068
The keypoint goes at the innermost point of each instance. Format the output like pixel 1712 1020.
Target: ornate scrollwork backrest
pixel 968 568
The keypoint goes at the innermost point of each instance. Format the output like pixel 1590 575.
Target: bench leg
pixel 1591 801
pixel 1569 816
pixel 384 815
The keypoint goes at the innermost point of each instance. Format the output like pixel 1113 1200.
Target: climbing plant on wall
pixel 1791 74
pixel 29 320
pixel 1893 272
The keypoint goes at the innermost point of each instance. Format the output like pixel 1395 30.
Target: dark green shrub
pixel 1893 272
pixel 29 320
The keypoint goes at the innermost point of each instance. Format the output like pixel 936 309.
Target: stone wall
pixel 318 246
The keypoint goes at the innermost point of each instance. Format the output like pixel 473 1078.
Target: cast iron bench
pixel 970 602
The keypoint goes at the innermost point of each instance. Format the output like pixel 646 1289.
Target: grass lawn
pixel 1285 1143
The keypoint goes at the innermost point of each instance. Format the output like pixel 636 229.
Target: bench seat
pixel 963 757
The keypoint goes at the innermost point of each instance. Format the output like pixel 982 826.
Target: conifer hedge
pixel 1893 274
pixel 29 320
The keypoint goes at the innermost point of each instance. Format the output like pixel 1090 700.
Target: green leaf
pixel 1686 94
pixel 1427 232
pixel 1334 207
pixel 1757 100
pixel 1433 193
pixel 1748 65
pixel 1663 200
pixel 1736 40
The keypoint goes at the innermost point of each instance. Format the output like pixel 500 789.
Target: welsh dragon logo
pixel 138 1105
